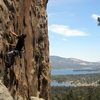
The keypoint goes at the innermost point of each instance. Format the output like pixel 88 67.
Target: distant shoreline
pixel 79 84
pixel 73 72
pixel 78 80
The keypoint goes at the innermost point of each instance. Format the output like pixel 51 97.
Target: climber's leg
pixel 10 59
pixel 21 53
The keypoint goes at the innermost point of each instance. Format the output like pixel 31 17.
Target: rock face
pixel 29 75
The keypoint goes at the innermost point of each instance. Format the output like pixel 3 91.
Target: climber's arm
pixel 13 45
pixel 14 33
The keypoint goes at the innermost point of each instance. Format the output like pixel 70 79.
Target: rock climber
pixel 17 50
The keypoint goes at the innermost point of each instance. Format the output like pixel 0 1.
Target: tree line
pixel 75 93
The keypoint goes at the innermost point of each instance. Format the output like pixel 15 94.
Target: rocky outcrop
pixel 29 75
pixel 4 93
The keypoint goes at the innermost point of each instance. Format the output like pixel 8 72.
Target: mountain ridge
pixel 71 63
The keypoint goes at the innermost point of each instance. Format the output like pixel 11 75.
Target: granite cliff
pixel 29 75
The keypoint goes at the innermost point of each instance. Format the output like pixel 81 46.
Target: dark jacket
pixel 20 43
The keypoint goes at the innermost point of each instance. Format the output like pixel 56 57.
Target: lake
pixel 61 84
pixel 71 72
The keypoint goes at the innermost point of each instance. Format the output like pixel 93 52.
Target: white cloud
pixel 65 30
pixel 64 39
pixel 95 16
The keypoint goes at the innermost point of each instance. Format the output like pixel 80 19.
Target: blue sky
pixel 73 30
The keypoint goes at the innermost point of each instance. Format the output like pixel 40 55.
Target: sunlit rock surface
pixel 4 93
